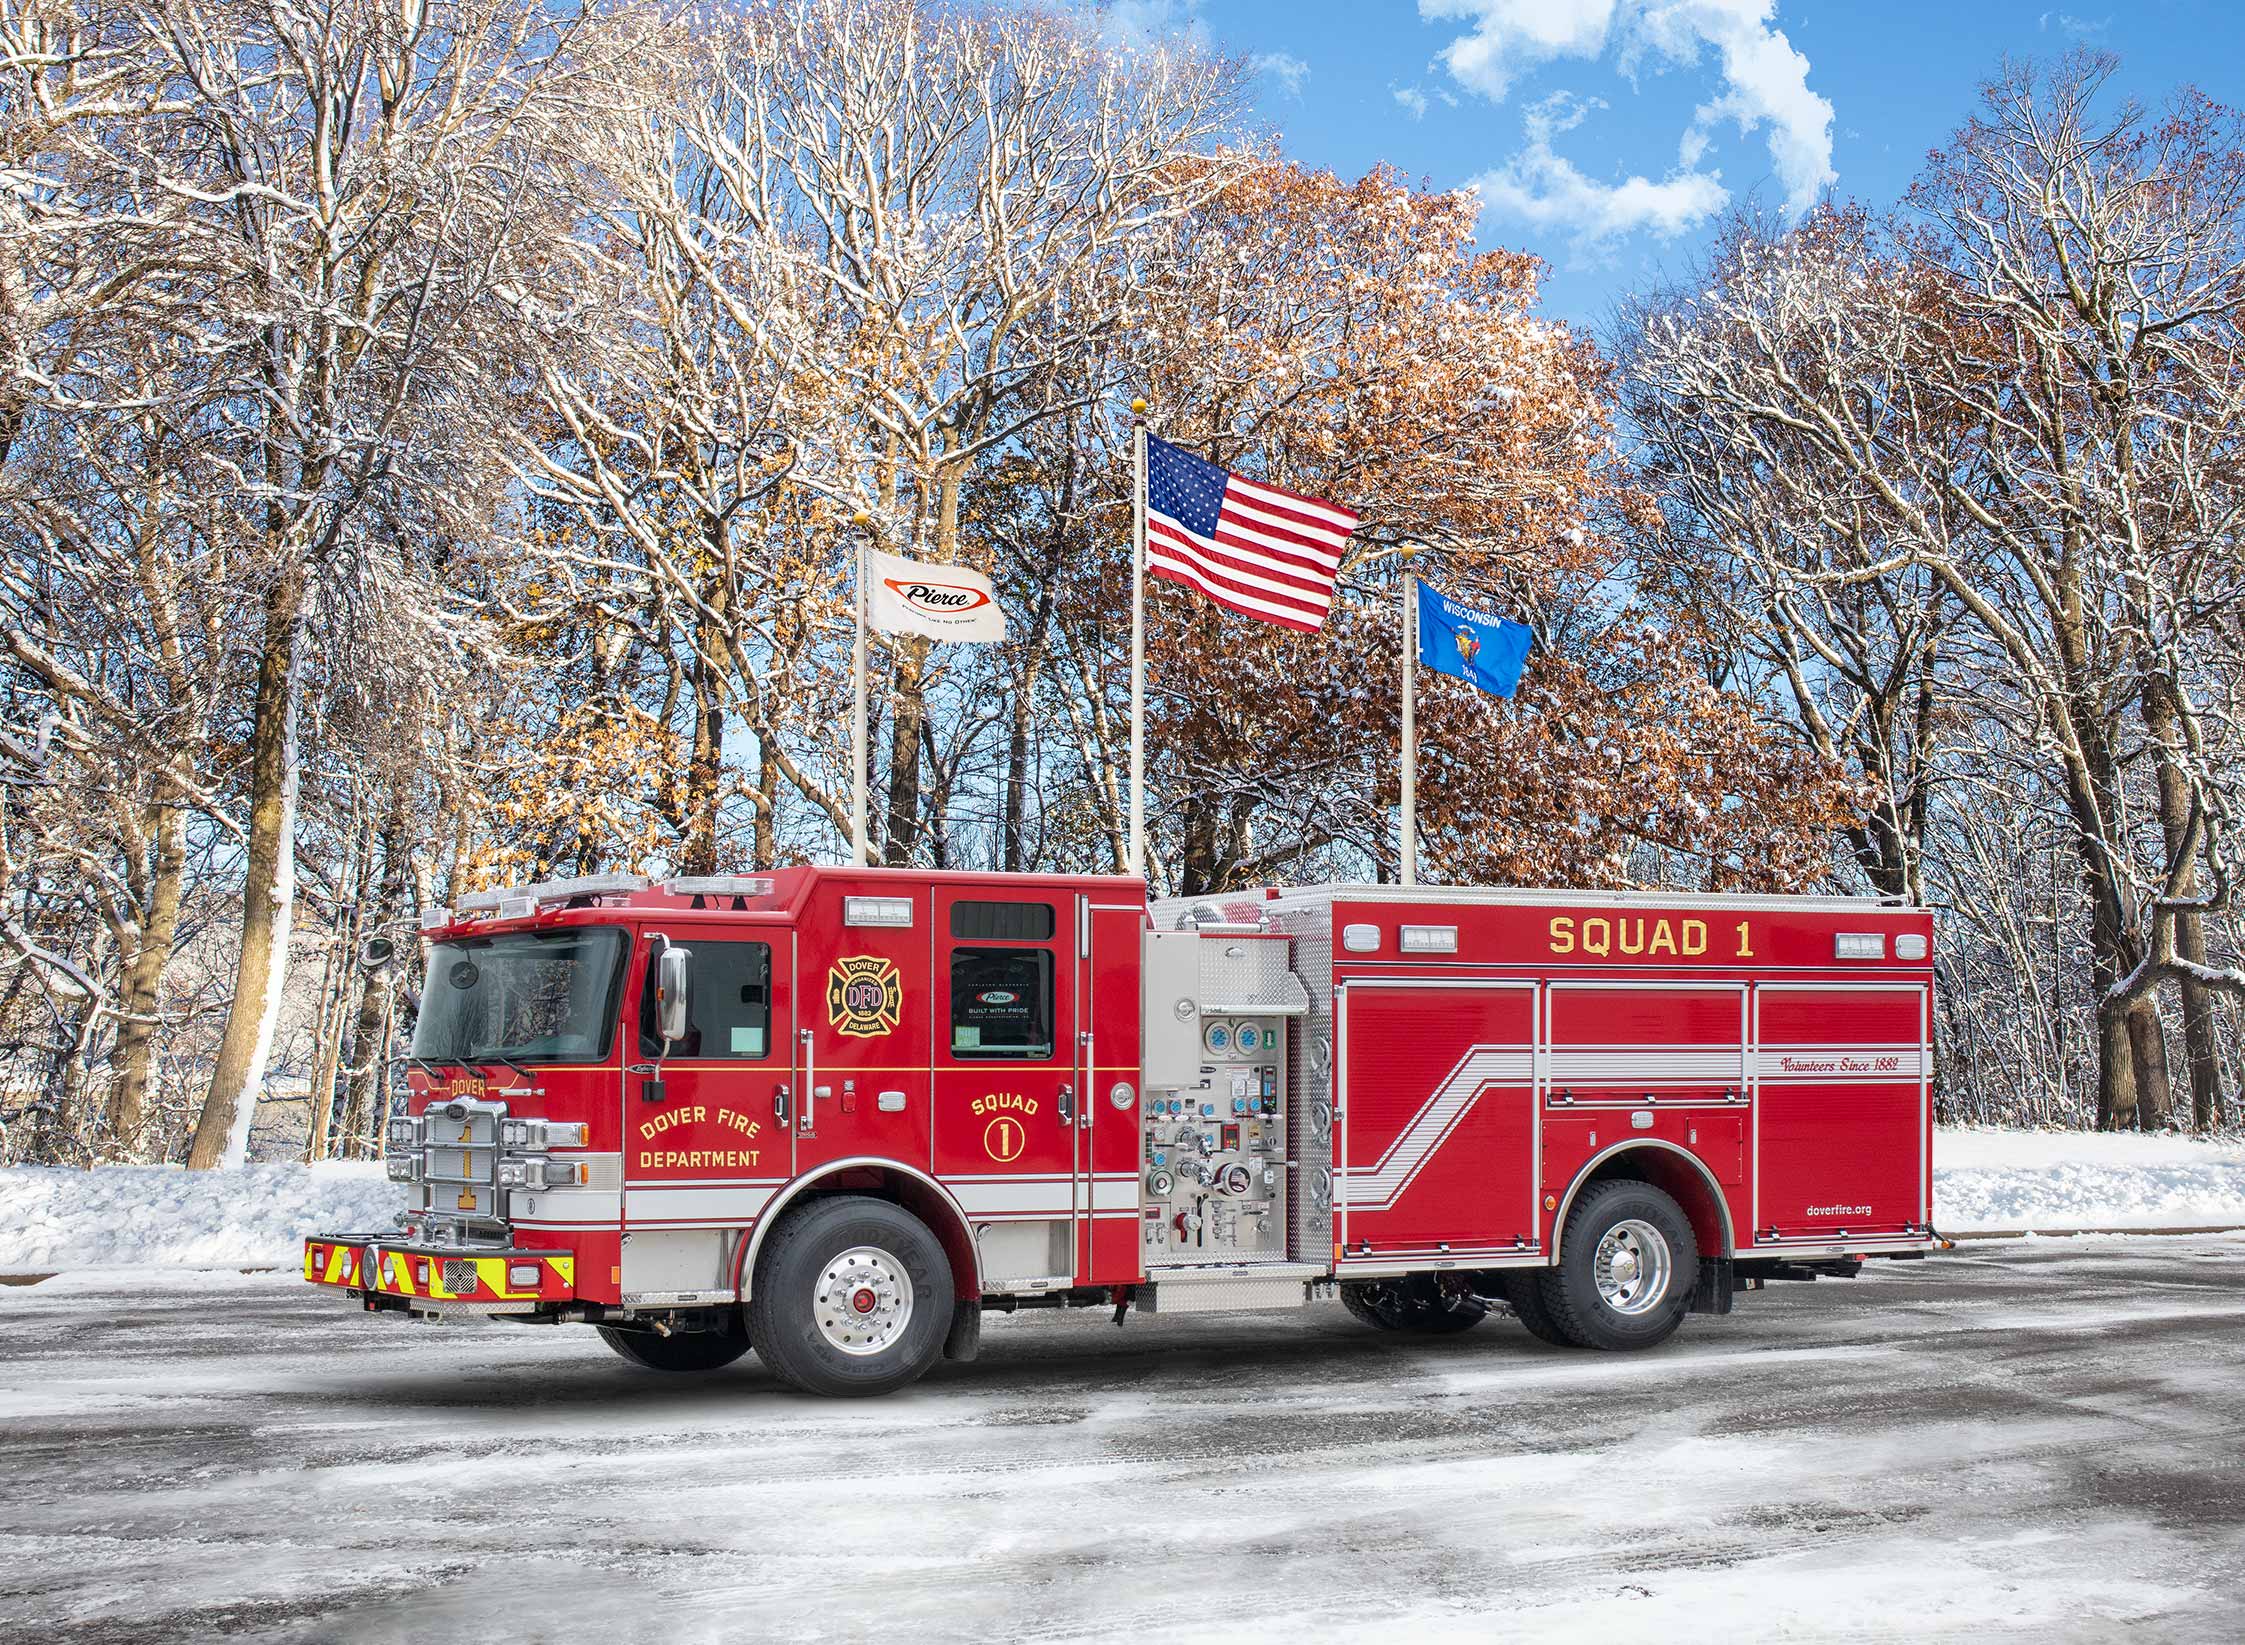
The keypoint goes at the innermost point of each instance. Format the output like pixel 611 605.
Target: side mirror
pixel 377 951
pixel 673 995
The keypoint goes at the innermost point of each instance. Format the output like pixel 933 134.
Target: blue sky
pixel 1604 133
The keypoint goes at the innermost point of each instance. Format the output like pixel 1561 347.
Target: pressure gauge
pixel 1235 1180
pixel 1248 1039
pixel 1217 1036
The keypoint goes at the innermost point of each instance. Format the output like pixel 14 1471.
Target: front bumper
pixel 439 1279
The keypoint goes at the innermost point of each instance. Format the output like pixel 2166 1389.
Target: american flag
pixel 1253 548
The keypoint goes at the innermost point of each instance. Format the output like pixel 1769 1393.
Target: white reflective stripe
pixel 569 1205
pixel 683 1202
pixel 1843 1064
pixel 1114 1193
pixel 1052 1199
pixel 1481 1067
pixel 1647 1065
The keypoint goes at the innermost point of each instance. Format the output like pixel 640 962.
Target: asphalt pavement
pixel 2033 1441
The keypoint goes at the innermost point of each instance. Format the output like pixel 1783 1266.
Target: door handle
pixel 1067 1105
pixel 779 1104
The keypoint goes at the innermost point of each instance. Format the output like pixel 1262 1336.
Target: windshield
pixel 530 996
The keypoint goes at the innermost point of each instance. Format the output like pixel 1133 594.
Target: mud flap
pixel 964 1340
pixel 1717 1284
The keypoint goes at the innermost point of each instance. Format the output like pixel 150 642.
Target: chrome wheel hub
pixel 863 1300
pixel 1633 1267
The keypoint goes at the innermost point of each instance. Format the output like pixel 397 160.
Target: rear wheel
pixel 1522 1288
pixel 684 1351
pixel 1415 1305
pixel 1626 1268
pixel 852 1296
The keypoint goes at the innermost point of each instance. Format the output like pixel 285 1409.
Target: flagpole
pixel 1138 638
pixel 860 855
pixel 1410 730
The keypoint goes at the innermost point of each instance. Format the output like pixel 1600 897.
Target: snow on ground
pixel 135 1215
pixel 2011 1444
pixel 129 1216
pixel 2085 1179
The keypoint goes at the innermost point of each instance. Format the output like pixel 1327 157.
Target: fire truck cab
pixel 836 1114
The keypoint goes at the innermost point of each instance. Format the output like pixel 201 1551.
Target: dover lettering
pixel 697 1159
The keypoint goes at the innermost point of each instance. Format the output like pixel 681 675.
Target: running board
pixel 1228 1290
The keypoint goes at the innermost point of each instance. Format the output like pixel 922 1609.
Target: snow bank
pixel 2084 1179
pixel 132 1216
pixel 129 1216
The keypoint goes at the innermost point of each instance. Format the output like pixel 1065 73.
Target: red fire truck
pixel 838 1114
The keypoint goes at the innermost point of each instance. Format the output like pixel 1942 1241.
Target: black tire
pixel 687 1351
pixel 1571 1294
pixel 803 1311
pixel 1523 1290
pixel 1413 1305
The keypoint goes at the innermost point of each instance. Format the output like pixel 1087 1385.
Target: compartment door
pixel 1436 1139
pixel 1840 1110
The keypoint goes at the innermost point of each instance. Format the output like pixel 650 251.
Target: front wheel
pixel 852 1296
pixel 686 1351
pixel 1626 1270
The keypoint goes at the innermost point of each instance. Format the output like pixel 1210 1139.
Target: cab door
pixel 1009 1082
pixel 862 1033
pixel 705 1137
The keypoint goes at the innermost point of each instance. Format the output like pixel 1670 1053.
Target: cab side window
pixel 729 1009
pixel 1001 1004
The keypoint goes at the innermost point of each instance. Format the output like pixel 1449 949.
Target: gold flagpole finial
pixel 1138 408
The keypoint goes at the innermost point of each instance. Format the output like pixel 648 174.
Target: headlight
pixel 404 1167
pixel 404 1131
pixel 529 1134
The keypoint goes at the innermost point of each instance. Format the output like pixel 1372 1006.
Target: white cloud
pixel 1413 100
pixel 1764 79
pixel 1541 187
pixel 2074 28
pixel 1284 67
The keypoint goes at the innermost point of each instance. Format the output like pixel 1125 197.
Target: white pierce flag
pixel 942 602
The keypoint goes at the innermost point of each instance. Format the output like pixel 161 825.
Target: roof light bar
pixel 718 885
pixel 545 891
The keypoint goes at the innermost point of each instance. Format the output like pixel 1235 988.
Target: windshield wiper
pixel 481 1058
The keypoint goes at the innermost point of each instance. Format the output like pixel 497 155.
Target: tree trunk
pixel 2116 1080
pixel 2147 1046
pixel 135 1054
pixel 268 888
pixel 2200 1042
pixel 908 710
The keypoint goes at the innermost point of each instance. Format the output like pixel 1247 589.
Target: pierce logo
pixel 864 998
pixel 938 599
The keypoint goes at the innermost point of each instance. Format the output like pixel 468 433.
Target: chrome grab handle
pixel 810 1088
